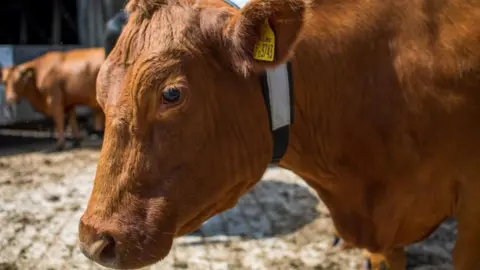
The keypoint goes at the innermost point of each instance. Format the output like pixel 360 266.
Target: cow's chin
pixel 137 252
pixel 192 226
pixel 12 100
pixel 227 202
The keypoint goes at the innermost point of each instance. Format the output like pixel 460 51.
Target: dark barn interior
pixel 32 22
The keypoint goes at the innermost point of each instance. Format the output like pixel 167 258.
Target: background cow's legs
pixel 55 104
pixel 99 121
pixel 72 122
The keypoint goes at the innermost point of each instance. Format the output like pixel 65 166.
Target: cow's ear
pixel 264 32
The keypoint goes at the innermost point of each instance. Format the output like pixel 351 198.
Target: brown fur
pixel 55 83
pixel 386 120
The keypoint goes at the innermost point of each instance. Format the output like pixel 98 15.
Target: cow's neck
pixel 326 74
pixel 277 91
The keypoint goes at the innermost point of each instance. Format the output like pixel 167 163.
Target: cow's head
pixel 17 81
pixel 187 131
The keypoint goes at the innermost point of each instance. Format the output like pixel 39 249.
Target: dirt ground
pixel 281 224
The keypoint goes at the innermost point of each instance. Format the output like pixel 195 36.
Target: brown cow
pixel 386 130
pixel 55 83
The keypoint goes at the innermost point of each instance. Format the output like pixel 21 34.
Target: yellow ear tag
pixel 265 47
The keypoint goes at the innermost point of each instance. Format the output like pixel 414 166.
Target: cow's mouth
pixel 10 101
pixel 125 246
pixel 113 254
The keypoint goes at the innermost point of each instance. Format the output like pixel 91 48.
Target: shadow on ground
pixel 271 209
pixel 435 252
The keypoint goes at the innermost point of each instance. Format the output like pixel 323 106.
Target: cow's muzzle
pixel 100 248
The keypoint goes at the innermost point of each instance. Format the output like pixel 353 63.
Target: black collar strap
pixel 277 88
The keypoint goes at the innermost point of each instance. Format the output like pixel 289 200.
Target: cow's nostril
pixel 103 250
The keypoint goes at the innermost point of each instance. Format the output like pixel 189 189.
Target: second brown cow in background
pixel 55 83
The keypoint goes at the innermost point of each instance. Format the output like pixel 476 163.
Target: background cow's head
pixel 17 81
pixel 2 72
pixel 187 131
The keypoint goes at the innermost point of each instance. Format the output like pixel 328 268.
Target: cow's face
pixel 17 80
pixel 186 131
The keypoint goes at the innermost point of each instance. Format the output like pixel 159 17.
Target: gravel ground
pixel 281 224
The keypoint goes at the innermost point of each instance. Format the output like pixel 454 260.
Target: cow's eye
pixel 171 95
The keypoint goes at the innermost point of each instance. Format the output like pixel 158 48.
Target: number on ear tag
pixel 265 47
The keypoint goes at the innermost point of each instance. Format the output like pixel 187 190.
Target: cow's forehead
pixel 166 30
